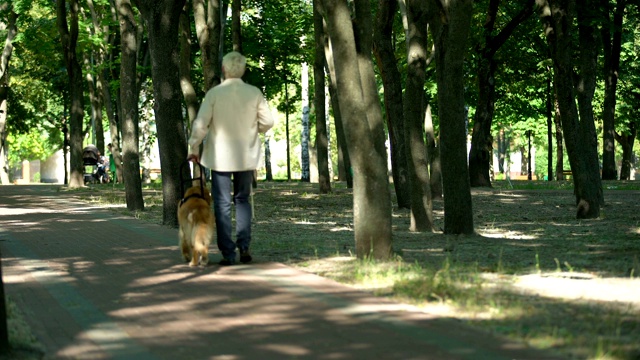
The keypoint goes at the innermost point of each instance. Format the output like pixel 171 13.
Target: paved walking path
pixel 96 285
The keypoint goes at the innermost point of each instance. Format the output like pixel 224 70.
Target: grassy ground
pixel 522 228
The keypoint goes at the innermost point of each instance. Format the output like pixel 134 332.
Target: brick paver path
pixel 96 285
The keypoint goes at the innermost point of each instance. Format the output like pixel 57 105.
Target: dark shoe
pixel 226 262
pixel 245 256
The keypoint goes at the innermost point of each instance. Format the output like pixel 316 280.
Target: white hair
pixel 234 65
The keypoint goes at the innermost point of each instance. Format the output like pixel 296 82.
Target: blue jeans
pixel 221 190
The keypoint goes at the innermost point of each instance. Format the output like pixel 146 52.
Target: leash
pixel 190 180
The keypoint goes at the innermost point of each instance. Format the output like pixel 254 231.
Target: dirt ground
pixel 518 231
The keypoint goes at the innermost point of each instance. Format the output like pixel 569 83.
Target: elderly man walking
pixel 231 117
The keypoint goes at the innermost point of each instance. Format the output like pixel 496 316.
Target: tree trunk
pixel 481 139
pixel 162 18
pixel 322 140
pixel 392 82
pixel 208 29
pixel 451 24
pixel 69 40
pixel 5 58
pixel 415 149
pixel 129 111
pixel 236 28
pixel 97 130
pixel 549 113
pixel 344 162
pixel 558 17
pixel 611 55
pixel 588 184
pixel 363 32
pixel 304 141
pixel 626 141
pixel 189 93
pixel 371 198
pixel 433 151
pixel 94 82
pixel 559 139
pixel 111 37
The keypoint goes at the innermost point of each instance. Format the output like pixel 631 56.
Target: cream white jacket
pixel 231 116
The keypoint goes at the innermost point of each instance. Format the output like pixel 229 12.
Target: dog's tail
pixel 202 231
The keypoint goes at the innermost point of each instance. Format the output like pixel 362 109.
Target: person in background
pixel 231 116
pixel 112 163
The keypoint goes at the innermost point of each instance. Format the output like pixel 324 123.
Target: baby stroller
pixel 96 164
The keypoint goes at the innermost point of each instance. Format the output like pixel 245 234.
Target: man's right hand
pixel 193 157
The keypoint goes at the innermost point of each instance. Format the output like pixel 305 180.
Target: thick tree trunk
pixel 322 140
pixel 189 93
pixel 392 82
pixel 208 29
pixel 363 31
pixel 344 162
pixel 371 198
pixel 5 58
pixel 451 24
pixel 69 40
pixel 611 55
pixel 481 139
pixel 415 149
pixel 579 134
pixel 588 184
pixel 162 18
pixel 129 100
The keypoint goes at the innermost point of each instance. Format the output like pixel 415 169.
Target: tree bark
pixel 579 134
pixel 433 152
pixel 208 29
pixel 559 139
pixel 611 55
pixel 322 140
pixel 588 183
pixel 236 28
pixel 451 23
pixel 626 141
pixel 415 149
pixel 112 37
pixel 344 162
pixel 481 139
pixel 129 102
pixel 363 33
pixel 188 91
pixel 5 58
pixel 95 82
pixel 305 135
pixel 162 18
pixel 69 39
pixel 392 82
pixel 371 198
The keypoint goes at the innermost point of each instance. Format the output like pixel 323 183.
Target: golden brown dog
pixel 197 223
